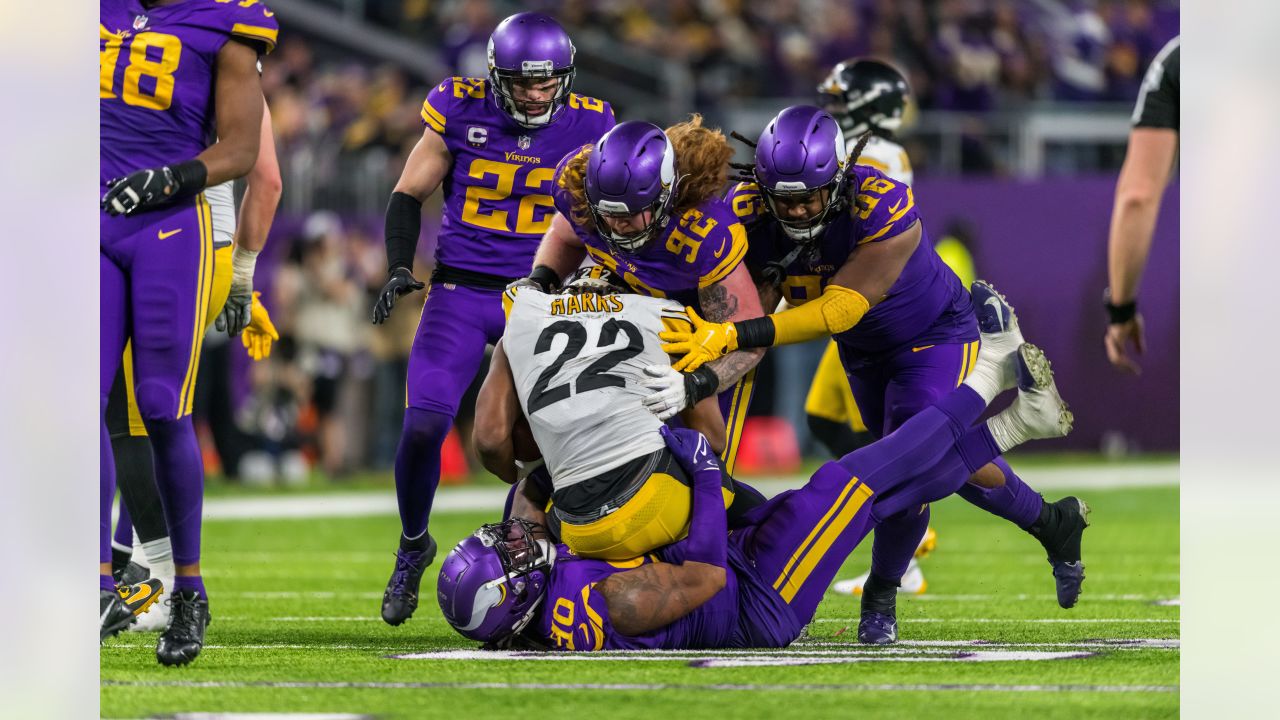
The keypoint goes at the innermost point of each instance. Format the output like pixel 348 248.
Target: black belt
pixel 469 278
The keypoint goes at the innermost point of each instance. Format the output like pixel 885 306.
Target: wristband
pixel 700 385
pixel 545 277
pixel 1119 314
pixel 403 224
pixel 243 262
pixel 756 332
pixel 190 178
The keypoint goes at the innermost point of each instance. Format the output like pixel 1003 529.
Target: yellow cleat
pixel 928 544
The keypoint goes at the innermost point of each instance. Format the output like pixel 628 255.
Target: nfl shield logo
pixel 139 22
pixel 523 142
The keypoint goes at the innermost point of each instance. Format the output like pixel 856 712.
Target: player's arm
pixel 244 311
pixel 653 596
pixel 559 254
pixel 733 299
pixel 857 286
pixel 529 503
pixel 1148 164
pixel 238 107
pixel 428 164
pixel 497 409
pixel 706 418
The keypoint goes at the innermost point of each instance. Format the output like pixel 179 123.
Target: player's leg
pixel 831 411
pixel 734 404
pixel 170 291
pixel 996 488
pixel 456 324
pixel 114 328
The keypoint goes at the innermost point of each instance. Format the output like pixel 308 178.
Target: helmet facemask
pixel 535 72
pixel 526 563
pixel 659 209
pixel 780 197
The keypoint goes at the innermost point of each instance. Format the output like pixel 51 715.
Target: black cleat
pixel 140 597
pixel 132 574
pixel 115 615
pixel 181 642
pixel 401 596
pixel 879 622
pixel 1059 529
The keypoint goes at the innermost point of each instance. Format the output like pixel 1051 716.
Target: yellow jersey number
pixel 866 201
pixel 682 244
pixel 563 615
pixel 504 174
pixel 140 66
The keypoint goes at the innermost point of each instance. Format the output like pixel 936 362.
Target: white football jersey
pixel 886 156
pixel 222 208
pixel 578 363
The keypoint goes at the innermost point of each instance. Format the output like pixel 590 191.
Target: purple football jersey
pixel 574 616
pixel 497 195
pixel 156 76
pixel 696 249
pixel 926 305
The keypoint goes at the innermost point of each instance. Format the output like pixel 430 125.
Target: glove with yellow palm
pixel 705 342
pixel 260 333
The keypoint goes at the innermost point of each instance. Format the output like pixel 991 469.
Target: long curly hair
pixel 702 166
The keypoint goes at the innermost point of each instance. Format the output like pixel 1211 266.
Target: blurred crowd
pixel 331 396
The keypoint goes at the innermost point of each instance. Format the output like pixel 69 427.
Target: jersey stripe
pixel 266 35
pixel 1151 81
pixel 432 117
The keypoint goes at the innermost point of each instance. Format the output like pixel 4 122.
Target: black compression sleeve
pixel 404 222
pixel 191 177
pixel 755 333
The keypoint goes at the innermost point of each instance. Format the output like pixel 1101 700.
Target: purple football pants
pixel 156 272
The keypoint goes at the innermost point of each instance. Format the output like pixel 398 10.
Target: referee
pixel 1148 164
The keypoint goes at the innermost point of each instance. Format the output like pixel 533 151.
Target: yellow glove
pixel 260 333
pixel 704 343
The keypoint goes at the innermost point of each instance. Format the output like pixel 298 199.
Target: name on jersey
pixel 590 302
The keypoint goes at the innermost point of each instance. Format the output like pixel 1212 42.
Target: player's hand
pixel 140 190
pixel 669 395
pixel 234 317
pixel 704 343
pixel 690 449
pixel 401 282
pixel 1119 335
pixel 260 332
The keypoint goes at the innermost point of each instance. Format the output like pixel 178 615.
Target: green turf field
pixel 296 628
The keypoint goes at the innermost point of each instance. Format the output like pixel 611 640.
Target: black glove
pixel 402 282
pixel 154 187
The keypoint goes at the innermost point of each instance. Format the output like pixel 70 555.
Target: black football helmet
pixel 864 94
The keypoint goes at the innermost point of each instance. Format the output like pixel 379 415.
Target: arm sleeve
pixel 1157 105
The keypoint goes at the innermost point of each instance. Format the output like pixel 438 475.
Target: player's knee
pixel 157 401
pixel 425 426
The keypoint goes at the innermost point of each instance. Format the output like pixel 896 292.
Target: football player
pixel 844 245
pixel 761 585
pixel 236 250
pixel 170 73
pixel 493 143
pixel 574 364
pixel 646 204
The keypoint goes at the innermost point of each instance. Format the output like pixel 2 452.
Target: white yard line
pixel 633 687
pixel 470 499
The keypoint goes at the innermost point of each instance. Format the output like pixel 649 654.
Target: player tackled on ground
pixel 760 585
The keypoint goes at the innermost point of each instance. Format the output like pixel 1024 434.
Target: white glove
pixel 668 396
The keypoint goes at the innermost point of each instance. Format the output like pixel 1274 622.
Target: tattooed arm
pixel 733 298
pixel 653 596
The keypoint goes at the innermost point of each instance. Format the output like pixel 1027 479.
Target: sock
pixel 123 537
pixel 895 541
pixel 159 554
pixel 418 543
pixel 985 379
pixel 189 583
pixel 418 467
pixel 136 476
pixel 1015 501
pixel 180 479
pixel 963 406
pixel 879 595
pixel 106 488
pixel 106 583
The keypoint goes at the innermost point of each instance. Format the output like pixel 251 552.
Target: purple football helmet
pixel 632 169
pixel 492 582
pixel 530 46
pixel 802 152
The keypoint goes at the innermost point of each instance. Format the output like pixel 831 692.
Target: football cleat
pixel 181 642
pixel 400 598
pixel 876 628
pixel 140 597
pixel 157 618
pixel 927 545
pixel 913 582
pixel 1060 529
pixel 998 325
pixel 114 615
pixel 132 574
pixel 1040 409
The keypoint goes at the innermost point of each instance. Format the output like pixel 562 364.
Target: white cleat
pixel 998 326
pixel 1039 411
pixel 156 618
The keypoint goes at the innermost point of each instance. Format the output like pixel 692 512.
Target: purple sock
pixel 180 480
pixel 124 527
pixel 418 467
pixel 106 489
pixel 895 542
pixel 977 448
pixel 106 583
pixel 193 583
pixel 1015 501
pixel 963 405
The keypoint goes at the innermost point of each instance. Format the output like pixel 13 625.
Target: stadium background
pixel 1016 137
